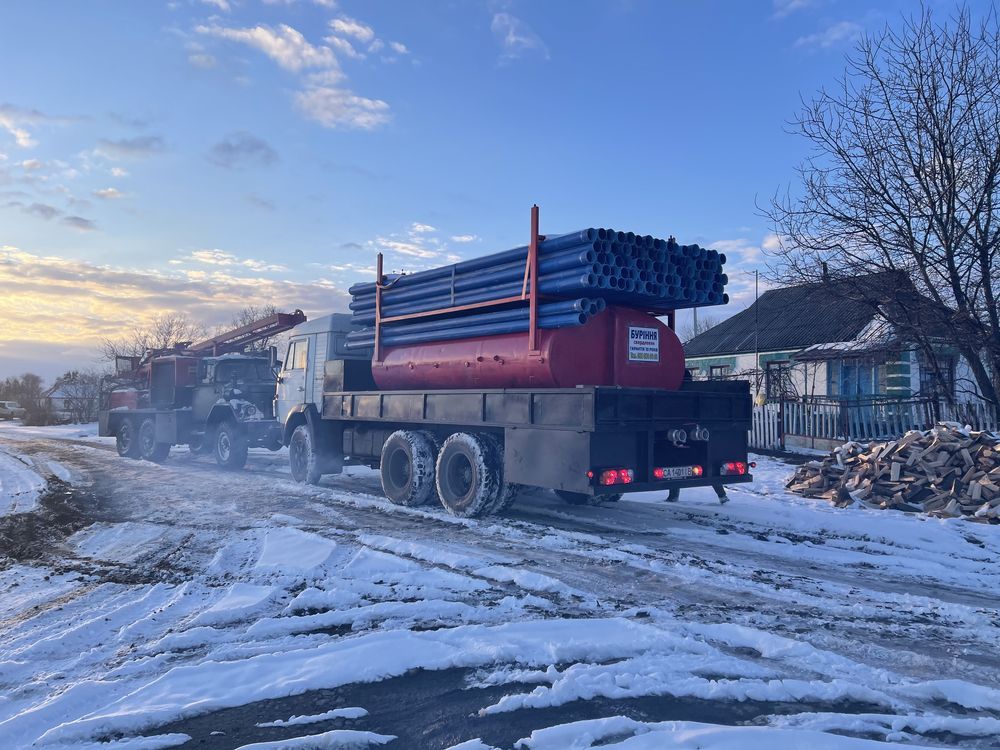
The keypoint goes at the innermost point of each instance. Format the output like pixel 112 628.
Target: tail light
pixel 697 471
pixel 733 468
pixel 617 476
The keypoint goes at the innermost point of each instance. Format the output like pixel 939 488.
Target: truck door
pixel 292 380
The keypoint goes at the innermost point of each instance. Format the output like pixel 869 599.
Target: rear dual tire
pixel 408 467
pixel 149 449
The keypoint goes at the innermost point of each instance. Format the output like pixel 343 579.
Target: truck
pixel 215 396
pixel 475 450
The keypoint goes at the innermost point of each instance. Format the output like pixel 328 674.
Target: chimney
pixel 826 273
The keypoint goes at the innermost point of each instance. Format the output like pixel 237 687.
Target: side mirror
pixel 272 357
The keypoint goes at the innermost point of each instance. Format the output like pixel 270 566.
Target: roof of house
pixel 793 318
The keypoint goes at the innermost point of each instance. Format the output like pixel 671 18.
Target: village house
pixel 820 341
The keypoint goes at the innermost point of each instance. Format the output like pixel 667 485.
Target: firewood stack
pixel 947 471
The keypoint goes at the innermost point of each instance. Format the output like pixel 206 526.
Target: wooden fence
pixel 775 425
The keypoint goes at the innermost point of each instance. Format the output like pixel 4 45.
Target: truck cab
pixel 316 358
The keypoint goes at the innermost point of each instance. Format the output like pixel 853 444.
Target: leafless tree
pixel 904 177
pixel 248 315
pixel 696 327
pixel 164 331
pixel 78 392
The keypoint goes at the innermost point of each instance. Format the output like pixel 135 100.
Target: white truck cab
pixel 314 357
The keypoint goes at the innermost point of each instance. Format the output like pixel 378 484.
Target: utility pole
pixel 756 329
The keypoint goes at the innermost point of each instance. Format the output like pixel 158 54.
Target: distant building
pixel 829 340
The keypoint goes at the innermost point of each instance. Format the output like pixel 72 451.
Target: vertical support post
pixel 378 309
pixel 533 270
pixel 672 320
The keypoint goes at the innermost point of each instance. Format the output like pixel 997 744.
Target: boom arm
pixel 239 338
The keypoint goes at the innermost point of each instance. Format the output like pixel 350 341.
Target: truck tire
pixel 508 490
pixel 407 468
pixel 230 446
pixel 149 449
pixel 579 498
pixel 126 440
pixel 467 475
pixel 302 457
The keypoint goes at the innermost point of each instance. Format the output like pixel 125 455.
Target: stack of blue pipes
pixel 579 274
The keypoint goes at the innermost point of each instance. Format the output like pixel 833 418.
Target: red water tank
pixel 619 346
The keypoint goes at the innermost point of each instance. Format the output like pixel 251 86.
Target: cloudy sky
pixel 200 155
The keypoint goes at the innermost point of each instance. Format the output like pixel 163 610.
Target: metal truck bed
pixel 558 438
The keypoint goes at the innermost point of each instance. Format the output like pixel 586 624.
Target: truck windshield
pixel 245 371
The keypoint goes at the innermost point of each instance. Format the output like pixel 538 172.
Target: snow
pixel 196 590
pixel 337 713
pixel 20 484
pixel 623 733
pixel 337 738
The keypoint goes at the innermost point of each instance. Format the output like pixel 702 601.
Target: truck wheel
pixel 407 468
pixel 149 449
pixel 579 498
pixel 230 446
pixel 126 441
pixel 467 475
pixel 302 458
pixel 508 490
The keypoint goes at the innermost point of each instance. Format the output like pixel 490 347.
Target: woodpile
pixel 948 471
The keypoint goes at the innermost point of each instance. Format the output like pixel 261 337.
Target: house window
pixel 717 372
pixel 778 381
pixel 939 383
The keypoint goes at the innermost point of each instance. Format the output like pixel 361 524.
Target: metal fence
pixel 871 419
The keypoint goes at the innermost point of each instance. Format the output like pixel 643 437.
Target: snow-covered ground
pixel 199 608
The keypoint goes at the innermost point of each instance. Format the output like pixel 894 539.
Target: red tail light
pixel 659 473
pixel 617 476
pixel 731 468
pixel 697 471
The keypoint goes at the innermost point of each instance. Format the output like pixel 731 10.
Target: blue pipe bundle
pixel 593 265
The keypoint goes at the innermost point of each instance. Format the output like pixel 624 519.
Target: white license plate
pixel 678 472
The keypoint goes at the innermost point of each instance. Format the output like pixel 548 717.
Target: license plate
pixel 678 472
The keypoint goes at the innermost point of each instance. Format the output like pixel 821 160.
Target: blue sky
pixel 200 155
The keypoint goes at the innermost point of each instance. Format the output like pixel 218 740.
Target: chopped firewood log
pixel 947 471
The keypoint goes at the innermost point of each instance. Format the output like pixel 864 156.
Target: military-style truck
pixel 214 396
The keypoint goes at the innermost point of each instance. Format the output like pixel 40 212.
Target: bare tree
pixel 248 315
pixel 904 177
pixel 78 392
pixel 696 327
pixel 162 332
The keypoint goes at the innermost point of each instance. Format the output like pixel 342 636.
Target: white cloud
pixel 738 251
pixel 838 33
pixel 53 299
pixel 399 48
pixel 216 257
pixel 16 120
pixel 784 8
pixel 344 47
pixel 285 45
pixel 118 172
pixel 421 228
pixel 464 237
pixel 202 60
pixel 108 193
pixel 336 107
pixel 411 249
pixel 350 27
pixel 222 5
pixel 31 164
pixel 517 38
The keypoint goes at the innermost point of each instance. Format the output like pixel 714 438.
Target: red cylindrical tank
pixel 619 346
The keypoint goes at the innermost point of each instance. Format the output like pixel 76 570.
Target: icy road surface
pixel 146 606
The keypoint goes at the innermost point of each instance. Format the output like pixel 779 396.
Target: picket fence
pixel 876 419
